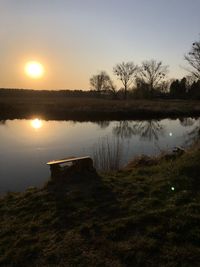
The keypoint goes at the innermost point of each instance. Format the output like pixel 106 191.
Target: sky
pixel 74 39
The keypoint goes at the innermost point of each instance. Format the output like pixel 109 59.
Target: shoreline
pixel 136 210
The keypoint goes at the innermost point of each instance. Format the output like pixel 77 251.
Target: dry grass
pixel 93 108
pixel 107 154
pixel 131 218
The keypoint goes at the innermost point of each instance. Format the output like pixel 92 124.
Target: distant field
pixel 82 108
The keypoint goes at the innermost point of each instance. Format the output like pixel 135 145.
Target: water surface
pixel 26 145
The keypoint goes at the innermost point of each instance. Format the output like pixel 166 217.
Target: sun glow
pixel 36 123
pixel 34 69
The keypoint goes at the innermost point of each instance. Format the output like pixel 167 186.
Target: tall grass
pixel 107 154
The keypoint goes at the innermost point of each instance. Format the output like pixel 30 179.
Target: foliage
pixel 184 89
pixel 194 91
pixel 179 88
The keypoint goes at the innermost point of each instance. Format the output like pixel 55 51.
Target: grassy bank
pixel 77 108
pixel 140 216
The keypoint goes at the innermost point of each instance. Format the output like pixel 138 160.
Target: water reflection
pixel 26 145
pixel 150 130
pixel 124 129
pixel 2 122
pixel 146 130
pixel 187 121
pixel 193 135
pixel 103 124
pixel 36 123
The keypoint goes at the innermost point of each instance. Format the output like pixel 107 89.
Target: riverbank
pixel 85 109
pixel 144 215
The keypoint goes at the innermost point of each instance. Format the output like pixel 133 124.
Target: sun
pixel 34 69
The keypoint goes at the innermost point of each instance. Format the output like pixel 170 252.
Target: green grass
pixel 129 218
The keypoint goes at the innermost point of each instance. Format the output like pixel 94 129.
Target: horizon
pixel 74 40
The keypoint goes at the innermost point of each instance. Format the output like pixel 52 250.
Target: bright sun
pixel 34 69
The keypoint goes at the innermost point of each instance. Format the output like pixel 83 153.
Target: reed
pixel 107 154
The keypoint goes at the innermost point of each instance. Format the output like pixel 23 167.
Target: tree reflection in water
pixel 2 122
pixel 103 124
pixel 193 135
pixel 187 122
pixel 147 130
pixel 124 129
pixel 150 130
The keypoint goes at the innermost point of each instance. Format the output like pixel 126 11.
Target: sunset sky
pixel 74 39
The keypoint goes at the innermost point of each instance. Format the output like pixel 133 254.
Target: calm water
pixel 26 145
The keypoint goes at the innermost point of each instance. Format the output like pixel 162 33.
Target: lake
pixel 26 145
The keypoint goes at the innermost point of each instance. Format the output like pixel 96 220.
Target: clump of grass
pixel 107 154
pixel 142 160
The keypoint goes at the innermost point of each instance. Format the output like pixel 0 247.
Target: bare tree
pixel 193 58
pixel 125 72
pixel 152 73
pixel 101 82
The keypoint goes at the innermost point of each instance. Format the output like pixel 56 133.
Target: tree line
pixel 150 79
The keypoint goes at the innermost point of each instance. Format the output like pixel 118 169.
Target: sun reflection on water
pixel 36 123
